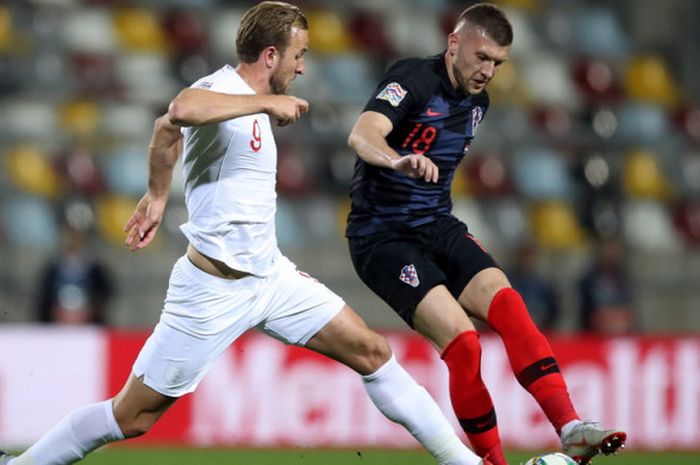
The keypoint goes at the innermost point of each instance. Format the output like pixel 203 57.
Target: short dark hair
pixel 491 19
pixel 266 24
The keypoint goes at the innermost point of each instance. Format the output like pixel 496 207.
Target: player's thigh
pixel 440 318
pixel 463 258
pixel 400 272
pixel 203 315
pixel 347 339
pixel 297 305
pixel 173 362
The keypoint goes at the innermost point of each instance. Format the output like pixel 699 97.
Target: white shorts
pixel 204 314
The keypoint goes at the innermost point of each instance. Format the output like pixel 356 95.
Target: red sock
pixel 531 357
pixel 470 399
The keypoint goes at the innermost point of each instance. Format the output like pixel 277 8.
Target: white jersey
pixel 230 173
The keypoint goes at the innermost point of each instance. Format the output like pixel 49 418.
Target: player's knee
pixel 374 351
pixel 135 426
pixel 482 289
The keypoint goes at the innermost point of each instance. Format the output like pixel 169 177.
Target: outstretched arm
pixel 163 151
pixel 194 107
pixel 368 139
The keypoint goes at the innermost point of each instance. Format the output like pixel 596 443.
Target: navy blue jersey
pixel 429 117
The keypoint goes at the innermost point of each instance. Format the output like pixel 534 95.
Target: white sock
pixel 79 433
pixel 566 429
pixel 397 395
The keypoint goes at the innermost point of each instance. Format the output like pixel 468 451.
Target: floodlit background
pixel 583 181
pixel 594 132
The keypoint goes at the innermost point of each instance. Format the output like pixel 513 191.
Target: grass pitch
pixel 299 456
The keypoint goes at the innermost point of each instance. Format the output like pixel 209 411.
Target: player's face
pixel 475 59
pixel 291 62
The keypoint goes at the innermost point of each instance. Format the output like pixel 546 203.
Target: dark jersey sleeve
pixel 405 88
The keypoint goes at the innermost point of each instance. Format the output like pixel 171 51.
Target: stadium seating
pixel 556 226
pixel 126 170
pixel 541 174
pixel 79 118
pixel 647 79
pixel 643 178
pixel 30 223
pixel 328 32
pixel 591 131
pixel 30 170
pixel 112 213
pixel 598 32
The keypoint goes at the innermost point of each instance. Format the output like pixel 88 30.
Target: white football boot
pixel 5 457
pixel 588 439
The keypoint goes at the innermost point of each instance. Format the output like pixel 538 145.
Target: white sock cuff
pixel 382 369
pixel 566 429
pixel 117 434
pixel 77 434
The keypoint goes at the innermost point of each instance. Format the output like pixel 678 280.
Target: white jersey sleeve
pixel 229 170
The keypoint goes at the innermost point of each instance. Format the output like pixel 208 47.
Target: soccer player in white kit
pixel 233 277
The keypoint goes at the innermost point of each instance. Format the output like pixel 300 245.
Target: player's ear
pixel 270 56
pixel 452 43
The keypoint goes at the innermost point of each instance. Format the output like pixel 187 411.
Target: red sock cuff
pixel 508 312
pixel 461 336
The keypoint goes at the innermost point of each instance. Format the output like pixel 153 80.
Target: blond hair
pixel 267 24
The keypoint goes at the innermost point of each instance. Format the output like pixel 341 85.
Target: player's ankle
pixel 566 429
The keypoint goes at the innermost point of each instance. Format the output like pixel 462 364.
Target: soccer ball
pixel 556 458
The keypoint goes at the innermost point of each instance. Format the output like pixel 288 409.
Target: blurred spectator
pixel 605 297
pixel 74 286
pixel 538 293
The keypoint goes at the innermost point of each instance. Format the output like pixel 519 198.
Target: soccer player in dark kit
pixel 411 251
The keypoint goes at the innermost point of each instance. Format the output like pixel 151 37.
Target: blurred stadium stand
pixel 594 131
